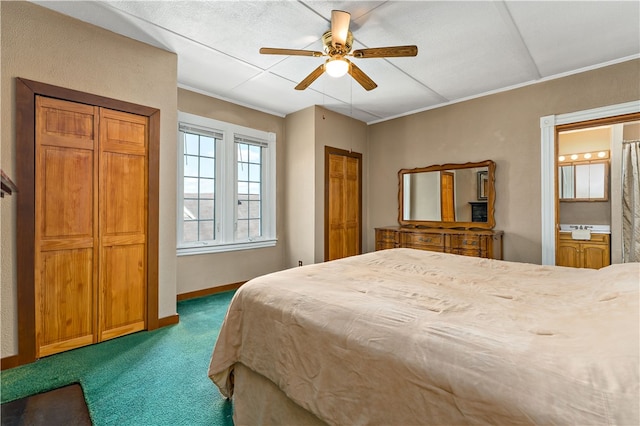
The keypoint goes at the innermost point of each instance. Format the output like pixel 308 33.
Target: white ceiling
pixel 465 49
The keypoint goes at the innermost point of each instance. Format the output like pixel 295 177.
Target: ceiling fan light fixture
pixel 336 67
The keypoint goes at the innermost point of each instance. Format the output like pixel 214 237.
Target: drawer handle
pixel 424 240
pixel 467 243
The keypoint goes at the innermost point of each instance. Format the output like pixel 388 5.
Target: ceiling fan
pixel 338 42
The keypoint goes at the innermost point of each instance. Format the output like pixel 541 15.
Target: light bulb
pixel 574 157
pixel 561 158
pixel 587 155
pixel 336 67
pixel 601 154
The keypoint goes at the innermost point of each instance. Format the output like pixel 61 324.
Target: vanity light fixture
pixel 585 156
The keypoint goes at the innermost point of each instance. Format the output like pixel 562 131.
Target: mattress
pixel 406 336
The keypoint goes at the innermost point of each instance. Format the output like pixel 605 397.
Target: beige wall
pixel 342 132
pixel 41 45
pixel 503 127
pixel 197 272
pixel 300 168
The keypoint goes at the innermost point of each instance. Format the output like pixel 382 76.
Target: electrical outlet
pixel 299 262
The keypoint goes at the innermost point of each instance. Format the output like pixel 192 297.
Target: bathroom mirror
pixel 583 181
pixel 448 196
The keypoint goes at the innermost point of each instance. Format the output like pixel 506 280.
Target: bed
pixel 405 337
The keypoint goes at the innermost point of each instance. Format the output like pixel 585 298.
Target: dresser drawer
pixel 472 253
pixel 386 235
pixel 416 239
pixel 471 242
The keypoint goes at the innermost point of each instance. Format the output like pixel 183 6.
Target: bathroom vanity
pixel 584 246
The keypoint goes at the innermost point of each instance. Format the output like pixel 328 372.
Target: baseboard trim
pixel 9 362
pixel 209 291
pixel 170 320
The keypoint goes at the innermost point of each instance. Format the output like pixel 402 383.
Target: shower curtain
pixel 631 201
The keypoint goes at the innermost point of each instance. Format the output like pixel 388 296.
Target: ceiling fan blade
pixel 339 27
pixel 290 52
pixel 310 78
pixel 359 76
pixel 386 52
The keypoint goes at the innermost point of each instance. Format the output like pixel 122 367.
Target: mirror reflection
pixel 448 195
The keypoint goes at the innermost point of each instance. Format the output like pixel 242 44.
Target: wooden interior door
pixel 123 223
pixel 90 278
pixel 343 176
pixel 447 201
pixel 66 220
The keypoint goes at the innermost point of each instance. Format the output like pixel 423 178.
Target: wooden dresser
pixel 478 243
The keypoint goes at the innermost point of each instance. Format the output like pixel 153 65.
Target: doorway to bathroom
pixel 598 132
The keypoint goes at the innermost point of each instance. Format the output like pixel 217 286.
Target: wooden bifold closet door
pixel 90 224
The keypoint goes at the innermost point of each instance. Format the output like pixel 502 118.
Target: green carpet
pixel 146 378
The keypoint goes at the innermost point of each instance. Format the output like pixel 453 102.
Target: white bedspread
pixel 402 337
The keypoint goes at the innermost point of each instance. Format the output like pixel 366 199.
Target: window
pixel 226 186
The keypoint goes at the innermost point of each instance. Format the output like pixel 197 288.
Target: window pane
pixel 190 187
pixel 254 154
pixel 243 209
pixel 254 173
pixel 254 188
pixel 206 230
pixel 190 231
pixel 243 152
pixel 243 189
pixel 191 144
pixel 199 166
pixel 207 146
pixel 207 167
pixel 243 171
pixel 254 228
pixel 191 165
pixel 254 209
pixel 206 209
pixel 190 209
pixel 242 233
pixel 206 188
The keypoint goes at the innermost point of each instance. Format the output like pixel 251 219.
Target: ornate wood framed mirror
pixel 448 196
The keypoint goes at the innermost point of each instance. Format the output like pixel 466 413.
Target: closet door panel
pixel 64 194
pixel 123 195
pixel 123 223
pixel 123 299
pixel 65 322
pixel 65 274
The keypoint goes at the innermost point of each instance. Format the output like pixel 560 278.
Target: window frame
pixel 226 178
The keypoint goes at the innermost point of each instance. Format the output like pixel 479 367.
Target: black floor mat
pixel 64 406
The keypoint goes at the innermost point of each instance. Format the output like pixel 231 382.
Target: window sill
pixel 221 248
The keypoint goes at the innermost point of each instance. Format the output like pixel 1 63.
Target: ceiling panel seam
pixel 507 18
